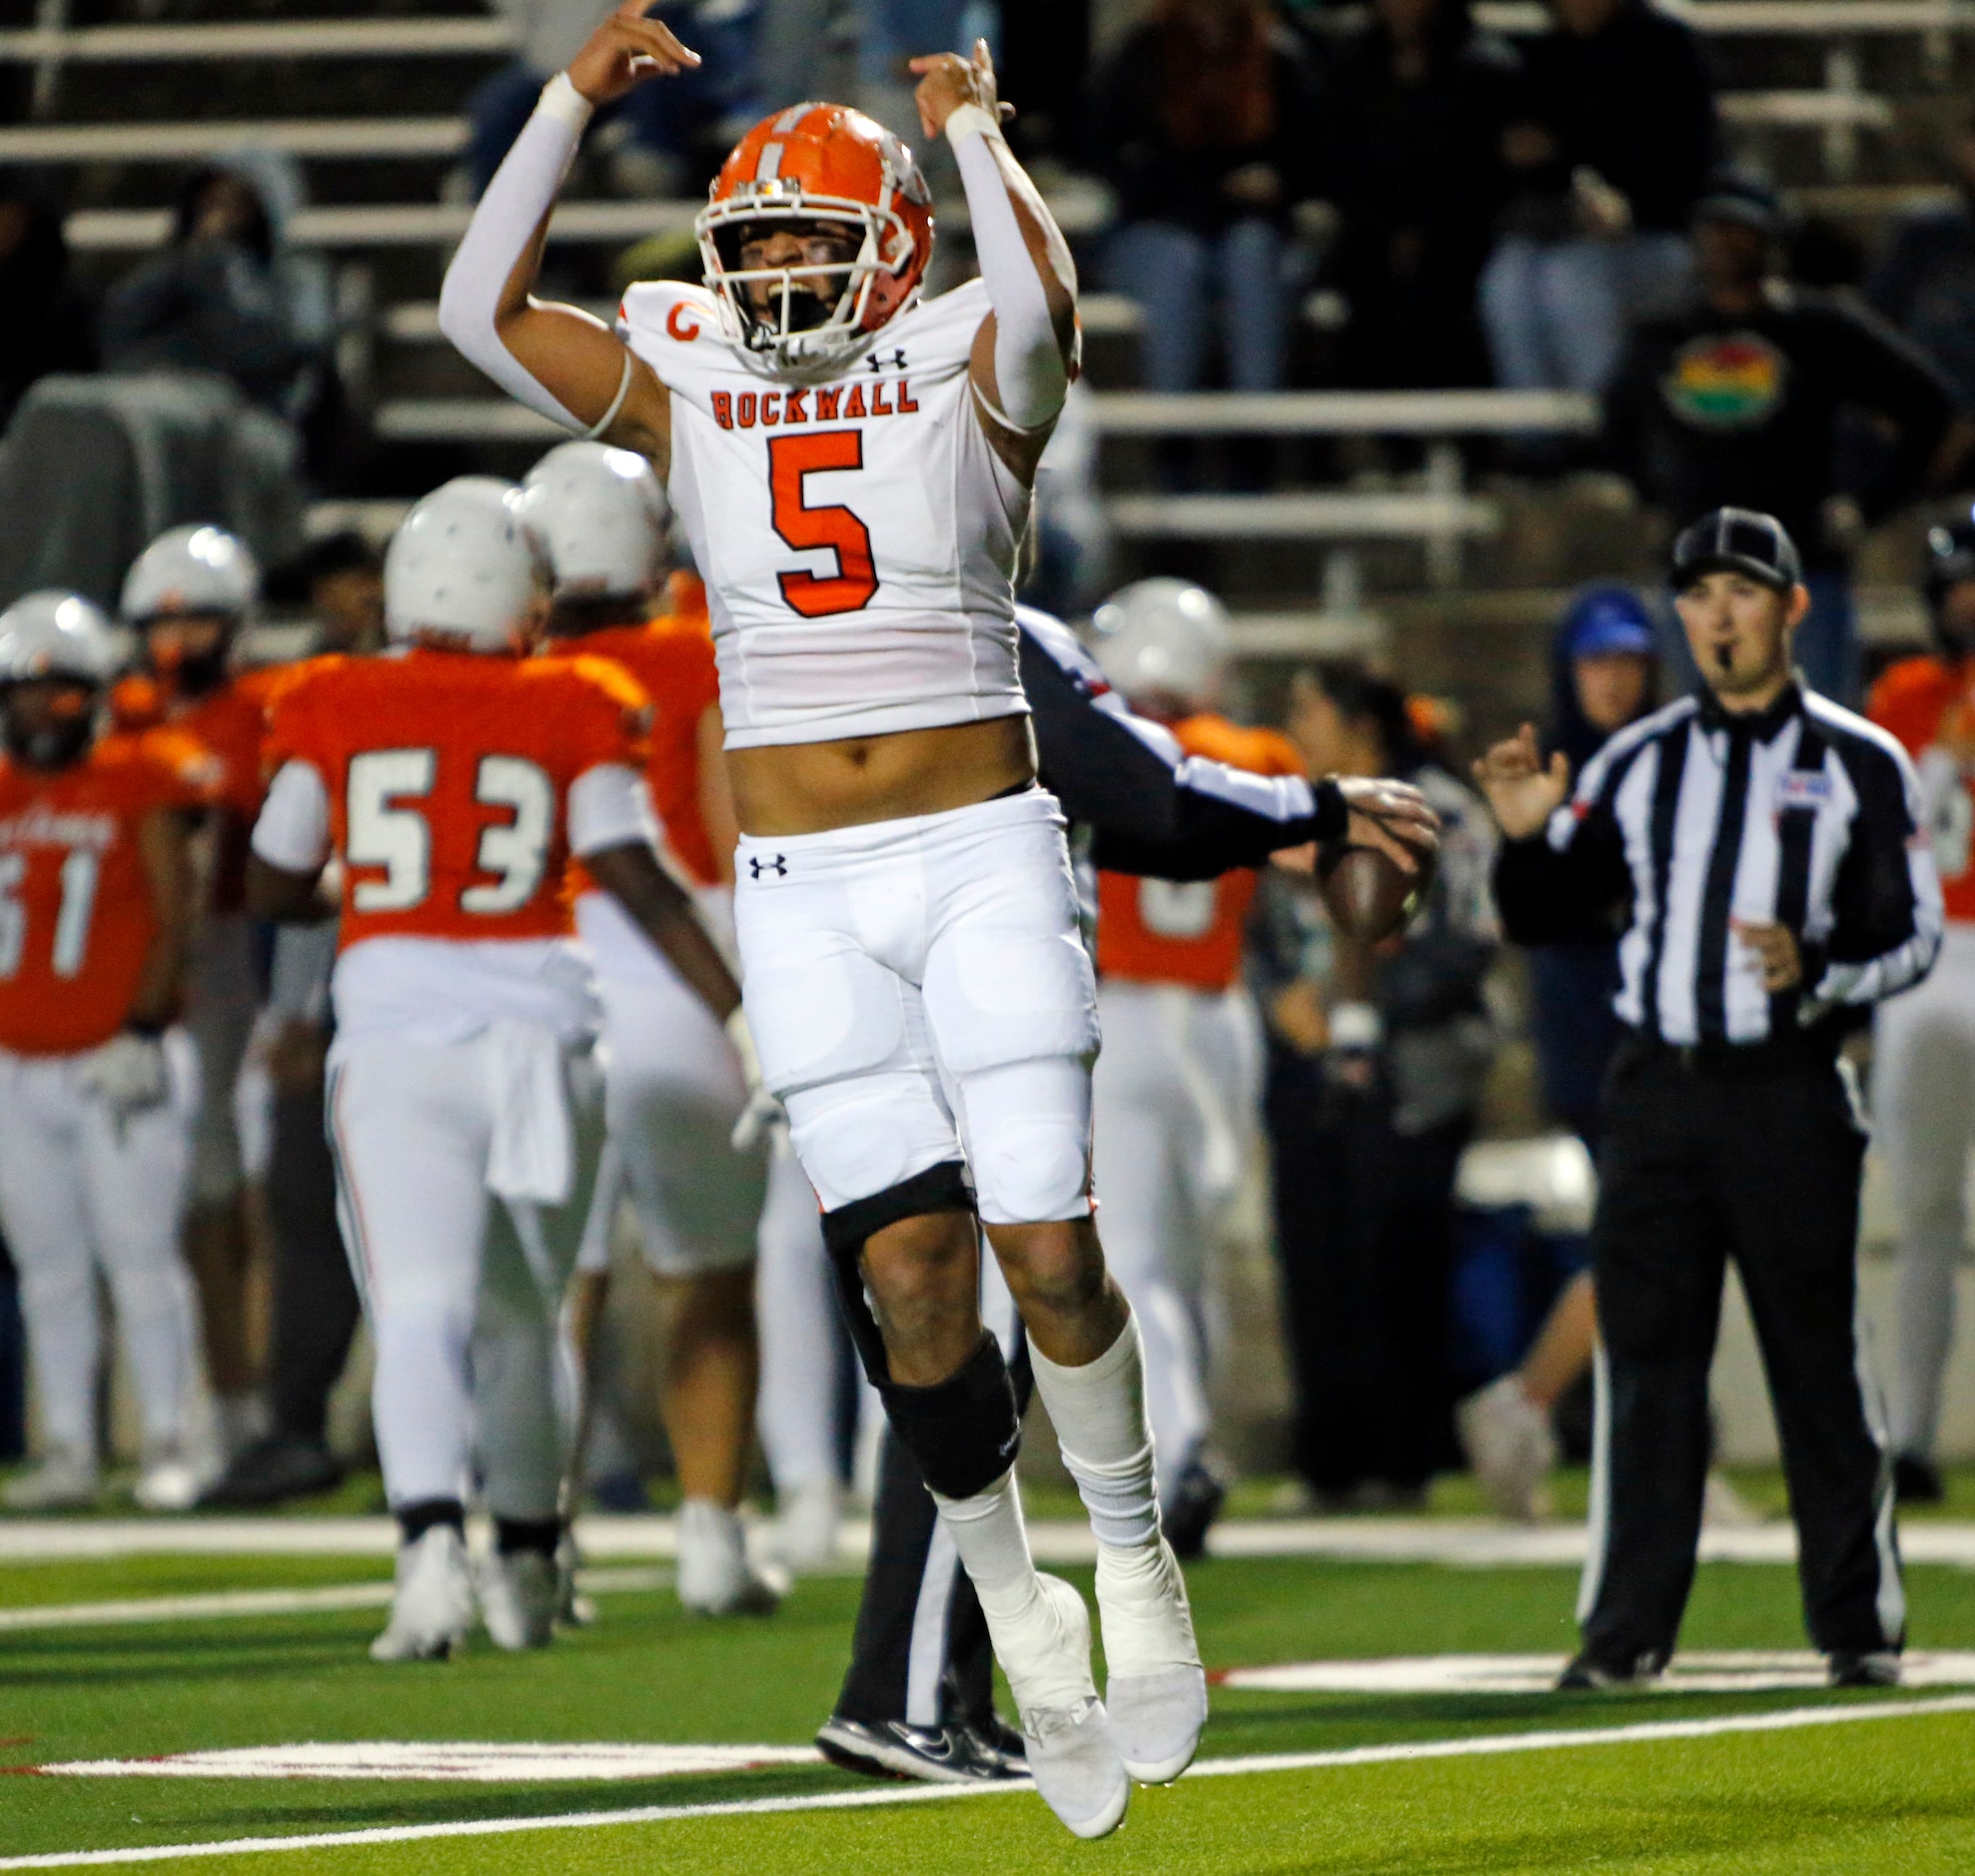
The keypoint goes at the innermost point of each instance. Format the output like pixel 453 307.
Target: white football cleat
pixel 65 1480
pixel 1072 1755
pixel 1155 1687
pixel 434 1603
pixel 518 1595
pixel 715 1578
pixel 806 1525
pixel 168 1482
pixel 1511 1447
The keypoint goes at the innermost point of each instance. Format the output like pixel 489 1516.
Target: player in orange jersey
pixel 1923 1074
pixel 674 1090
pixel 455 782
pixel 189 596
pixel 1176 1090
pixel 97 1090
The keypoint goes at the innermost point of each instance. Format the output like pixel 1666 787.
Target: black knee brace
pixel 941 1188
pixel 963 1432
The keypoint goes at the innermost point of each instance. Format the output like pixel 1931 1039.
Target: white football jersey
pixel 857 538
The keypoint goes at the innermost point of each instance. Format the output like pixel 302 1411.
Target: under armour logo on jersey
pixel 778 866
pixel 877 364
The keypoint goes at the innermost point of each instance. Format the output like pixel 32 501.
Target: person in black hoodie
pixel 1202 124
pixel 1746 394
pixel 45 324
pixel 1618 139
pixel 1602 677
pixel 1415 104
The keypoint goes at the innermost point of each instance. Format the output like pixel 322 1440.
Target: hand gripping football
pixel 1367 893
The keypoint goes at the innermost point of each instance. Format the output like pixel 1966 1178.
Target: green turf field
pixel 1885 1794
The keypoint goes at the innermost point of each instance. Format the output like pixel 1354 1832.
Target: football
pixel 1368 895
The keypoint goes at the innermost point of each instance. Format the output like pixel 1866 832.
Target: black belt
pixel 1729 1061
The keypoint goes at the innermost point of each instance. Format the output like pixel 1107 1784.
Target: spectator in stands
pixel 667 138
pixel 45 324
pixel 230 294
pixel 1602 677
pixel 1201 121
pixel 1735 396
pixel 1376 1069
pixel 1926 283
pixel 1617 144
pixel 1416 107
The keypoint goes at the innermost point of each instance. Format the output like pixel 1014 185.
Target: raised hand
pixel 1521 792
pixel 624 51
pixel 947 80
pixel 1391 816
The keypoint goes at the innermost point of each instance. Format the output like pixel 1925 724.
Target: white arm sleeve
pixel 1028 361
pixel 610 806
pixel 292 833
pixel 523 191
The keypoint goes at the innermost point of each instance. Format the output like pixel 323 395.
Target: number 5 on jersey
pixel 386 832
pixel 791 458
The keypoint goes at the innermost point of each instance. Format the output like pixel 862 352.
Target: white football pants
pixel 1923 1112
pixel 919 994
pixel 462 1290
pixel 81 1191
pixel 673 1089
pixel 1174 1102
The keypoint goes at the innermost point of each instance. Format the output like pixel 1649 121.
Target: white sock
pixel 993 1541
pixel 1099 1415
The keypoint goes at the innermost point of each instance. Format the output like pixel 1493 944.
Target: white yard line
pixel 1463 1543
pixel 229 1604
pixel 1553 1740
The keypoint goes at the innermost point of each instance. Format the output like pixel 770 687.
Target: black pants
pixel 1365 1233
pixel 1756 1158
pixel 314 1297
pixel 921 1652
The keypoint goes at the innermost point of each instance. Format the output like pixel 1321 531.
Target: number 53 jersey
pixel 455 786
pixel 857 538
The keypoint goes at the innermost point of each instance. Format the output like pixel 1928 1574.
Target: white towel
pixel 533 1154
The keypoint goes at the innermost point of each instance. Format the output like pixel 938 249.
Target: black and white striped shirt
pixel 1802 814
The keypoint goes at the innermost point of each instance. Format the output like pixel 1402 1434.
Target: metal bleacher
pixel 1827 92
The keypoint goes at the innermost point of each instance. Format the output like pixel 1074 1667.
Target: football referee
pixel 1758 848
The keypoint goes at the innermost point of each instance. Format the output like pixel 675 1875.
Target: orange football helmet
pixel 817 164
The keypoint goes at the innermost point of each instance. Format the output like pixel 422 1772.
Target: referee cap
pixel 1740 541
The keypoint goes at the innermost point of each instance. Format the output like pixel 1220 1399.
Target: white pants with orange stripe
pixel 462 1289
pixel 82 1189
pixel 1173 1103
pixel 1923 1117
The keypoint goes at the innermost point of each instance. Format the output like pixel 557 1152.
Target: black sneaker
pixel 1917 1481
pixel 1589 1674
pixel 1878 1668
pixel 272 1471
pixel 1198 1496
pixel 935 1755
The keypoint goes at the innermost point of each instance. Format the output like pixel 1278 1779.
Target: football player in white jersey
pixel 852 464
pixel 674 1088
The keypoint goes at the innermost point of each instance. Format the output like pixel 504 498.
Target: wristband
pixel 1356 1026
pixel 563 102
pixel 970 120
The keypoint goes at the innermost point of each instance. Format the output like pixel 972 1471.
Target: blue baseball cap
pixel 1602 622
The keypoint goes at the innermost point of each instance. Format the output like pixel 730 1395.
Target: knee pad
pixel 847 1229
pixel 964 1432
pixel 1028 1139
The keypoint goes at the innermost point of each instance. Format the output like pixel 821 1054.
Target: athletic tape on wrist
pixel 970 120
pixel 563 102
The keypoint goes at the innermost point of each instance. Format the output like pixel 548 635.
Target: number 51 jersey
pixel 857 537
pixel 455 785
